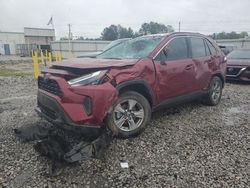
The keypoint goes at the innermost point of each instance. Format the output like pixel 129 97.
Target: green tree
pixel 80 38
pixel 244 34
pixel 110 33
pixel 154 28
pixel 64 38
pixel 231 35
pixel 114 32
pixel 125 32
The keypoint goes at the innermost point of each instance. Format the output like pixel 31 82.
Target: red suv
pixel 123 85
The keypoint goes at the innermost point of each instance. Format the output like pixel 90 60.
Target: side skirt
pixel 180 100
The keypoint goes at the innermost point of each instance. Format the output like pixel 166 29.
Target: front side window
pixel 198 47
pixel 176 49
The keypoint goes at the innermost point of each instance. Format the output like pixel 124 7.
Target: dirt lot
pixel 196 146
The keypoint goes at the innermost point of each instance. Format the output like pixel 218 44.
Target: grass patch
pixel 12 72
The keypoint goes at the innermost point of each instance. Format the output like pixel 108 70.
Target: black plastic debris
pixel 32 133
pixel 59 150
pixel 53 147
pixel 88 150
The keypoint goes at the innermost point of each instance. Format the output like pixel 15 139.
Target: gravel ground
pixel 190 146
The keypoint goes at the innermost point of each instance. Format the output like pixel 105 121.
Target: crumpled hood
pixel 238 62
pixel 93 63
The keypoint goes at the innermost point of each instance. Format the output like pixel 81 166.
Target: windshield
pixel 239 54
pixel 114 43
pixel 132 49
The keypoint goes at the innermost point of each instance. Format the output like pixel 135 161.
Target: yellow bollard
pixel 50 59
pixel 71 55
pixel 32 53
pixel 42 58
pixel 36 65
pixel 60 56
pixel 46 54
pixel 57 56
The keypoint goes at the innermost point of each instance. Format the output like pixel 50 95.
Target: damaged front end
pixel 78 99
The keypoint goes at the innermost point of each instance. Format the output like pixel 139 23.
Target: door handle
pixel 188 67
pixel 163 62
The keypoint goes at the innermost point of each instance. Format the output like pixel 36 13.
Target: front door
pixel 175 71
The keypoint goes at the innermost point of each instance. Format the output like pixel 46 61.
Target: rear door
pixel 206 60
pixel 174 70
pixel 202 61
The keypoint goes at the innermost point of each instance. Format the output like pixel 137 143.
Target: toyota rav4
pixel 122 86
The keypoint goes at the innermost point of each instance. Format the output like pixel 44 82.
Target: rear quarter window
pixel 212 49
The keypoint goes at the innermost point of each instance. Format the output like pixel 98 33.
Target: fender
pixel 220 75
pixel 143 83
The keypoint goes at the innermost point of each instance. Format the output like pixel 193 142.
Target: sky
pixel 89 17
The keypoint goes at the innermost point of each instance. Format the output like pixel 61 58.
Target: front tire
pixel 129 115
pixel 214 92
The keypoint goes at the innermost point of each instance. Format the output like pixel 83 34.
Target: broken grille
pixel 49 85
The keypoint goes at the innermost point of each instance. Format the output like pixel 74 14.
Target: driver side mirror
pixel 165 51
pixel 162 56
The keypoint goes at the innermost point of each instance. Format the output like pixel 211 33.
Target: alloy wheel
pixel 128 115
pixel 216 91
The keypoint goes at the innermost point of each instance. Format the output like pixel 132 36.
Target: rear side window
pixel 176 49
pixel 198 47
pixel 212 49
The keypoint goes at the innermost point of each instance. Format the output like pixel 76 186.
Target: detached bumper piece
pixel 51 144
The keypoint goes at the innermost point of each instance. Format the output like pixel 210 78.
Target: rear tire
pixel 129 115
pixel 214 92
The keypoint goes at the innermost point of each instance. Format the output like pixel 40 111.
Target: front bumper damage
pixel 81 106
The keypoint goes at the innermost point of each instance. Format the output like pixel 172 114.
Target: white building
pixel 9 41
pixel 22 43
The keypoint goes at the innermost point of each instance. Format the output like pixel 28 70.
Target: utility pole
pixel 179 26
pixel 69 39
pixel 52 22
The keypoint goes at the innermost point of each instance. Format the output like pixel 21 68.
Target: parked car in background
pixel 110 45
pixel 238 65
pixel 227 48
pixel 124 84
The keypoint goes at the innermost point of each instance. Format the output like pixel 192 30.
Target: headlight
pixel 89 79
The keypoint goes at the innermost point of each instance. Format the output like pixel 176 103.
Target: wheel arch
pixel 221 77
pixel 139 86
